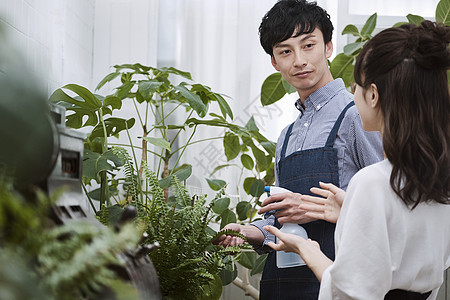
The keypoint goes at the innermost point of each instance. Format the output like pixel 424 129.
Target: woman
pixel 392 237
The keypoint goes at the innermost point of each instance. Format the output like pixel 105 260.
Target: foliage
pixel 187 262
pixel 70 261
pixel 156 90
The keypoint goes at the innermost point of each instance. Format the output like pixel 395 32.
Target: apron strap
pixel 286 141
pixel 333 133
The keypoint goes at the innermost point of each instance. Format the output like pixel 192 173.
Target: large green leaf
pixel 369 26
pixel 123 90
pixel 212 290
pixel 220 205
pixel 159 142
pixel 288 87
pixel 195 102
pixel 260 158
pixel 228 274
pixel 342 67
pixel 113 127
pixel 86 104
pixel 231 145
pixel 272 89
pixel 94 163
pixel 443 12
pixel 242 209
pixel 248 182
pixel 247 259
pixel 258 266
pixel 227 217
pixel 257 188
pixel 415 19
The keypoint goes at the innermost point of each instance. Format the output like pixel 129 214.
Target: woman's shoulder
pixel 373 177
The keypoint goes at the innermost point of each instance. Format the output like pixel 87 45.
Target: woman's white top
pixel 382 245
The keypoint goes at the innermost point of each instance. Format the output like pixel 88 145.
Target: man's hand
pixel 327 208
pixel 287 207
pixel 253 234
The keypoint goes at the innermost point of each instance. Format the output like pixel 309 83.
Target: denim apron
pixel 298 172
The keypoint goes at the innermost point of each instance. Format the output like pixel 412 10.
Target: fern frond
pixel 131 175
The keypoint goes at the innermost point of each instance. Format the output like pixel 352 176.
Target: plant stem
pixel 89 198
pixel 137 112
pixel 199 141
pixel 184 149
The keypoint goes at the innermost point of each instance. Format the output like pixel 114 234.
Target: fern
pixel 131 176
pixel 186 261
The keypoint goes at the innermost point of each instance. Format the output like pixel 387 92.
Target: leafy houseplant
pixel 156 91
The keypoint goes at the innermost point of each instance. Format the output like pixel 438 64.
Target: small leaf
pixel 224 107
pixel 351 29
pixel 231 145
pixel 272 89
pixel 123 90
pixel 443 12
pixel 220 205
pixel 195 102
pixel 112 101
pixel 398 24
pixel 107 78
pixel 251 125
pixel 369 26
pixel 415 19
pixel 184 74
pixel 147 88
pixel 216 184
pixel 159 142
pixel 247 161
pixel 248 182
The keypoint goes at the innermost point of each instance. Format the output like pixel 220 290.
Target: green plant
pixel 161 97
pixel 70 261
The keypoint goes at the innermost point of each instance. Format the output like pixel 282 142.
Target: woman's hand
pixel 309 250
pixel 327 208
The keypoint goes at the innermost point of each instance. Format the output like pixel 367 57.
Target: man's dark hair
pixel 287 17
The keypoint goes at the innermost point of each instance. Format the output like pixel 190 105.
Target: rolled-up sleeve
pixel 269 219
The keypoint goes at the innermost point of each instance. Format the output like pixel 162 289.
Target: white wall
pixel 55 36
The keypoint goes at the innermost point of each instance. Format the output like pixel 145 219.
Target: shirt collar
pixel 322 95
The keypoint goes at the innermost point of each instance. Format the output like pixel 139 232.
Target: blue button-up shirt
pixel 356 147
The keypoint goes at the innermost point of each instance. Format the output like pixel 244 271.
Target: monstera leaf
pixel 94 163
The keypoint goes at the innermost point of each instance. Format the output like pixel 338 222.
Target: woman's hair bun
pixel 428 45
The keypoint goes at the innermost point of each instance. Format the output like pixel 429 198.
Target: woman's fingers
pixel 330 187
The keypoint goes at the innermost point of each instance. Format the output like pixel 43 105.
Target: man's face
pixel 303 61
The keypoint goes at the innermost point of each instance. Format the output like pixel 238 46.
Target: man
pixel 326 143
